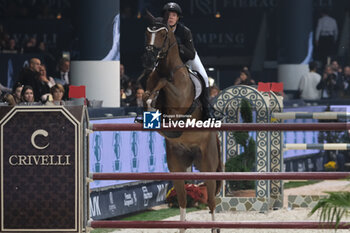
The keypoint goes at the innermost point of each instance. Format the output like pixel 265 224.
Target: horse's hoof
pixel 215 230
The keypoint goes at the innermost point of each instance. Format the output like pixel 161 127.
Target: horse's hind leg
pixel 177 163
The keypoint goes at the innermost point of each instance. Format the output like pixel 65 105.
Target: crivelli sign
pixel 40 170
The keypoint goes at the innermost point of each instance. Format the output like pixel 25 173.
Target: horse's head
pixel 157 41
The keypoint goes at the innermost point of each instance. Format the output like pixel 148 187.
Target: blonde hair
pixel 57 87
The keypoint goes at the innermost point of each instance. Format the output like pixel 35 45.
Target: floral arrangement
pixel 330 166
pixel 196 194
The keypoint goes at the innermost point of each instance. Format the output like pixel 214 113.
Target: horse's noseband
pixel 153 54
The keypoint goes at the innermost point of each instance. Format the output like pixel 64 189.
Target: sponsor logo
pixel 41 159
pixel 146 195
pixel 151 120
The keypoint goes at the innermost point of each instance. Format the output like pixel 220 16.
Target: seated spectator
pixel 4 89
pixel 46 82
pixel 17 90
pixel 31 46
pixel 30 76
pixel 308 83
pixel 123 102
pixel 329 85
pixel 63 75
pixel 11 47
pixel 27 94
pixel 244 79
pixel 124 79
pixel 346 81
pixel 137 100
pixel 57 92
pixel 8 98
pixel 130 89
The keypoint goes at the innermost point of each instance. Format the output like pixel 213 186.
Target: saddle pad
pixel 197 85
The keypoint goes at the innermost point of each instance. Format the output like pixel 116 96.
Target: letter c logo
pixel 36 133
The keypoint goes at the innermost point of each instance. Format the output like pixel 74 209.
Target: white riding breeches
pixel 197 65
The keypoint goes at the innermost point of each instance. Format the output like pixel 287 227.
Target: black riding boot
pixel 207 107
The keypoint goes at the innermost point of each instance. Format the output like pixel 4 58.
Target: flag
pixel 264 87
pixel 76 92
pixel 277 87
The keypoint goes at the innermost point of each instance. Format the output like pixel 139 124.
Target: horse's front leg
pixel 150 96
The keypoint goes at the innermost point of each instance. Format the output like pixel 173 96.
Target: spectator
pixel 45 84
pixel 308 83
pixel 336 68
pixel 123 102
pixel 57 92
pixel 17 90
pixel 14 98
pixel 50 81
pixel 4 89
pixel 329 85
pixel 27 94
pixel 326 36
pixel 130 89
pixel 31 46
pixel 11 47
pixel 124 79
pixel 346 82
pixel 30 76
pixel 244 79
pixel 137 101
pixel 63 76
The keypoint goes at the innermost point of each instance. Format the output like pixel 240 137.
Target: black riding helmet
pixel 172 6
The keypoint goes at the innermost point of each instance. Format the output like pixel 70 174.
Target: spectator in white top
pixel 326 36
pixel 308 83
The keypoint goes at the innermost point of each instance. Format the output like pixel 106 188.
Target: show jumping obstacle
pixel 325 146
pixel 311 115
pixel 217 176
pixel 202 224
pixel 231 127
pixel 56 124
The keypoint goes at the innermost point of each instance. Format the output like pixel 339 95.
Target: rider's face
pixel 173 18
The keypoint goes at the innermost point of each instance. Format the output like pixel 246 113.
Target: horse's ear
pixel 165 18
pixel 150 17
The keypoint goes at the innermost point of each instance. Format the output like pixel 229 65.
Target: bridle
pixel 156 54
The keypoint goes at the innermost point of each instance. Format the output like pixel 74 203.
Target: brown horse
pixel 170 89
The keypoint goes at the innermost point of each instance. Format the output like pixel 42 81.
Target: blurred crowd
pixel 331 83
pixel 35 86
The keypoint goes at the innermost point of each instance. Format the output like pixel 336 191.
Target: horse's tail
pixel 219 169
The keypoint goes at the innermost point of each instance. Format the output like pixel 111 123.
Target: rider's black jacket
pixel 185 42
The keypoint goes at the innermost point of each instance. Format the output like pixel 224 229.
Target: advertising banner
pixel 127 151
pixel 40 170
pixel 127 199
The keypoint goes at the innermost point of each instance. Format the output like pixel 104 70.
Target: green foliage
pixel 334 207
pixel 246 111
pixel 245 161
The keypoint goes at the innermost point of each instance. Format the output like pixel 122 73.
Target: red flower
pixel 195 195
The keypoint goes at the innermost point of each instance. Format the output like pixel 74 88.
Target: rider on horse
pixel 187 51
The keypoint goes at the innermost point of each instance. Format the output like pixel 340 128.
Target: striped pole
pixel 208 224
pixel 311 115
pixel 326 146
pixel 229 127
pixel 222 176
